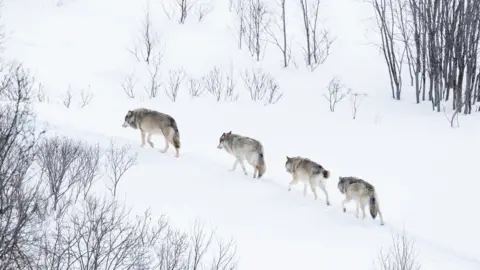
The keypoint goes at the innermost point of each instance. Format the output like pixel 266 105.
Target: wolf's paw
pixel 344 210
pixel 328 203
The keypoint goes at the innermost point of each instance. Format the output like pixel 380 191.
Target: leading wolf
pixel 151 122
pixel 244 148
pixel 308 172
pixel 362 192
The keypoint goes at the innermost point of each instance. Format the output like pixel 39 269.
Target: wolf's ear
pixel 288 158
pixel 229 133
pixel 129 113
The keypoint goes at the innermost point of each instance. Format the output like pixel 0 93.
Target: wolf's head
pixel 288 164
pixel 342 182
pixel 129 120
pixel 223 138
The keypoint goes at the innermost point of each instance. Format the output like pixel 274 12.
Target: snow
pixel 423 170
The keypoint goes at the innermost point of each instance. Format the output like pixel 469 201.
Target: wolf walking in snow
pixel 244 148
pixel 151 122
pixel 362 192
pixel 308 172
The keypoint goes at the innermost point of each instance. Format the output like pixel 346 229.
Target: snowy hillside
pixel 82 49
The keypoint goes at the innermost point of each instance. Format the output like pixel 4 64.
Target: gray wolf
pixel 244 148
pixel 151 122
pixel 362 192
pixel 308 172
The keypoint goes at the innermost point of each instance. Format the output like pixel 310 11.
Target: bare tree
pixel 356 100
pixel 394 56
pixel 67 97
pixel 241 10
pixel 41 94
pixel 282 27
pixel 195 87
pixel 400 256
pixel 185 6
pixel 85 97
pixel 261 86
pixel 20 192
pixel 118 162
pixel 257 20
pixel 336 92
pixel 129 86
pixel 154 82
pixel 219 85
pixel 202 10
pixel 318 41
pixel 146 45
pixel 70 168
pixel 176 78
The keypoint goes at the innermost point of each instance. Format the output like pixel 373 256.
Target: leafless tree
pixel 146 46
pixel 154 82
pixel 20 192
pixel 176 78
pixel 257 20
pixel 67 97
pixel 202 9
pixel 169 11
pixel 318 41
pixel 261 86
pixel 392 52
pixel 241 10
pixel 336 92
pixel 282 27
pixel 356 100
pixel 195 87
pixel 185 6
pixel 400 256
pixel 85 97
pixel 219 85
pixel 118 162
pixel 41 94
pixel 70 168
pixel 129 86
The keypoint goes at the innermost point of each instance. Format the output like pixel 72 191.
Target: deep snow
pixel 421 168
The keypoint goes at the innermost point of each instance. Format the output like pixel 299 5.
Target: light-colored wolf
pixel 151 122
pixel 307 172
pixel 244 148
pixel 362 193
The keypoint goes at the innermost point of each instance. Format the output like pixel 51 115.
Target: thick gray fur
pixel 151 122
pixel 244 148
pixel 362 193
pixel 307 172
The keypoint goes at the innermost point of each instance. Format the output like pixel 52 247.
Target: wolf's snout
pixel 219 146
pixel 124 125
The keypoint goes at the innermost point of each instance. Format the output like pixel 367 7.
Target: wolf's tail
pixel 373 206
pixel 176 135
pixel 261 167
pixel 326 174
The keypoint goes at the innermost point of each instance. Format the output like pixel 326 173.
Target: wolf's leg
pixel 305 190
pixel 322 187
pixel 313 187
pixel 149 140
pixel 346 200
pixel 357 204
pixel 243 166
pixel 166 134
pixel 293 182
pixel 362 205
pixel 234 165
pixel 255 171
pixel 142 137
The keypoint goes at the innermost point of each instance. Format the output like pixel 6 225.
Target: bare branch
pixel 336 92
pixel 261 86
pixel 176 78
pixel 129 86
pixel 118 162
pixel 356 100
pixel 85 97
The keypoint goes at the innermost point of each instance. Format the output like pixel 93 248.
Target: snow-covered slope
pixel 408 153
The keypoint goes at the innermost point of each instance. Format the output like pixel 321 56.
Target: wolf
pixel 244 148
pixel 152 122
pixel 362 192
pixel 308 172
